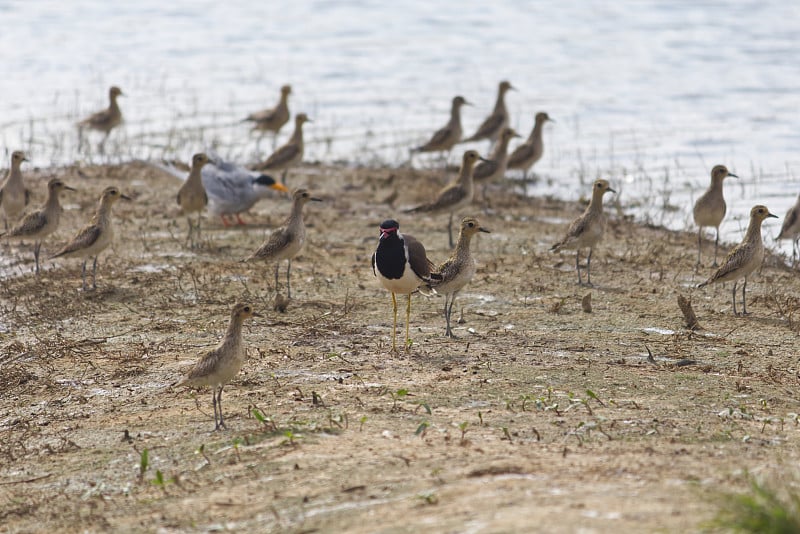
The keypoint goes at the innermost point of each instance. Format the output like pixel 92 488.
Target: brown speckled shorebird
pixel 104 120
pixel 454 196
pixel 447 137
pixel 710 208
pixel 458 270
pixel 495 167
pixel 494 123
pixel 39 224
pixel 192 196
pixel 95 237
pixel 587 230
pixel 14 196
pixel 401 265
pixel 528 153
pixel 287 241
pixel 745 258
pixel 272 119
pixel 290 154
pixel 218 367
pixel 791 228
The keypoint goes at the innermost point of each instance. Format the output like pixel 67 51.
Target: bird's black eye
pixel 471 225
pixel 247 309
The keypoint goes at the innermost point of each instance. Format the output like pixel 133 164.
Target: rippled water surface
pixel 648 94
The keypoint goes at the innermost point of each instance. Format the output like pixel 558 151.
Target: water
pixel 648 94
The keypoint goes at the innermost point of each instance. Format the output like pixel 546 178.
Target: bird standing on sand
pixel 587 230
pixel 95 237
pixel 490 128
pixel 41 223
pixel 791 228
pixel 217 367
pixel 710 208
pixel 401 265
pixel 495 167
pixel 458 270
pixel 290 154
pixel 528 153
pixel 745 257
pixel 287 241
pixel 104 120
pixel 272 119
pixel 13 194
pixel 192 195
pixel 456 195
pixel 447 137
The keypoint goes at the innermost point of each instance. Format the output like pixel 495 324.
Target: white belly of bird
pixel 404 285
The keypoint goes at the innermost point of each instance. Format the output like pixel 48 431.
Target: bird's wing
pixel 438 139
pixel 576 228
pixel 281 157
pixel 277 241
pixel 489 126
pixel 31 223
pixel 485 169
pixel 735 259
pixel 84 239
pixel 788 222
pixel 417 257
pixel 520 154
pixel 100 118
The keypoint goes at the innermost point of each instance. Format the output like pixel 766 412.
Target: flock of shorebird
pixel 400 262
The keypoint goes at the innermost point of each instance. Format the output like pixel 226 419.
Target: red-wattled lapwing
pixel 287 241
pixel 587 230
pixel 710 208
pixel 745 257
pixel 458 270
pixel 401 265
pixel 456 195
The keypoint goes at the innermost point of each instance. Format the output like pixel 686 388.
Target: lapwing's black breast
pixel 390 258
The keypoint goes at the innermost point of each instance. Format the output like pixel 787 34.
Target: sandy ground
pixel 538 417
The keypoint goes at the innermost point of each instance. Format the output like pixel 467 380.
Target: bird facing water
pixel 272 119
pixel 401 265
pixel 290 154
pixel 95 237
pixel 458 270
pixel 494 123
pixel 217 367
pixel 447 137
pixel 745 257
pixel 710 208
pixel 587 230
pixel 39 224
pixel 104 120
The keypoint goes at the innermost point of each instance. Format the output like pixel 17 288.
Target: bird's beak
pixel 482 229
pixel 68 188
pixel 309 120
pixel 516 135
pixel 611 190
pixel 256 314
pixel 731 174
pixel 280 187
pixel 551 120
pixel 772 215
pixel 484 159
pixel 125 197
pixel 512 87
pixel 315 199
pixel 468 103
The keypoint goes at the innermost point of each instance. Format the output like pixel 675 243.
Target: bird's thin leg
pixel 288 283
pixel 214 403
pixel 219 403
pixel 578 265
pixel 447 315
pixel 199 217
pixel 225 222
pixel 83 275
pixel 734 298
pixel 283 176
pixel 450 229
pixel 408 320
pixel 277 263
pixel 716 245
pixel 36 246
pixel 394 323
pixel 699 244
pixel 239 220
pixel 94 273
pixel 744 297
pixel 449 332
pixel 589 268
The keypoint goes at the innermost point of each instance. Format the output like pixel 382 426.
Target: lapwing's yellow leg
pixel 408 319
pixel 394 324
